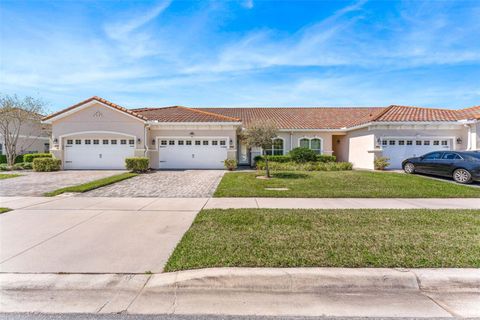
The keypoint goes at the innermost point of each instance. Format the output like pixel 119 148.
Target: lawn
pixel 341 184
pixel 8 175
pixel 3 210
pixel 92 184
pixel 330 238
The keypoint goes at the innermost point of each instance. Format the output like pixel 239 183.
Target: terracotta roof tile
pixel 406 113
pixel 469 113
pixel 183 114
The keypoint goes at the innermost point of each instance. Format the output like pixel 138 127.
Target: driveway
pixel 37 183
pixel 164 184
pixel 92 235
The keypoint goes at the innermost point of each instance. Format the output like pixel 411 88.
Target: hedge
pixel 282 159
pixel 30 156
pixel 137 164
pixel 307 166
pixel 3 159
pixel 46 164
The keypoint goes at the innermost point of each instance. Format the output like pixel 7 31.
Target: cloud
pixel 248 4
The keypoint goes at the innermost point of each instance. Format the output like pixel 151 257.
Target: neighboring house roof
pixel 469 113
pixel 406 113
pixel 108 103
pixel 183 114
pixel 302 118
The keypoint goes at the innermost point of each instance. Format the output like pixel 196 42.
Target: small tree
pixel 19 117
pixel 261 135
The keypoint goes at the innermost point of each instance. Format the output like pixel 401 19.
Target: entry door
pixel 192 153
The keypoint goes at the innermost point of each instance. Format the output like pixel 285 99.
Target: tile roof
pixel 469 113
pixel 183 114
pixel 406 113
pixel 302 118
pixel 108 103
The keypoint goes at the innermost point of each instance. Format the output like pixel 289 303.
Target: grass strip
pixel 351 238
pixel 3 210
pixel 92 184
pixel 8 175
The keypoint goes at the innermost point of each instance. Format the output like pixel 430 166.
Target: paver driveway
pixel 164 184
pixel 37 183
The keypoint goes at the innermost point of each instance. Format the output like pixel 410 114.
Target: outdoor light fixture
pixel 192 133
pixel 459 140
pixel 153 141
pixel 55 140
pixel 139 140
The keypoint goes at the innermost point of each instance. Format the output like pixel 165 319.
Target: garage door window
pixel 418 143
pixel 401 142
pixel 113 141
pixel 391 142
pixel 198 142
pixel 105 141
pixel 78 141
pixel 214 143
pixel 88 141
pixel 123 141
pixel 188 143
pixel 205 142
pixel 69 141
pixel 409 142
pixel 180 142
pixel 96 141
pixel 384 142
pixel 436 143
pixel 223 142
pixel 131 142
pixel 426 143
pixel 163 142
pixel 444 143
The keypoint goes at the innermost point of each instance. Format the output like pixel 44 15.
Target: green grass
pixel 3 210
pixel 8 175
pixel 330 238
pixel 92 184
pixel 341 184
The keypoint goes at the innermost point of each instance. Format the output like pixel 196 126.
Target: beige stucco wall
pixel 361 143
pixel 477 134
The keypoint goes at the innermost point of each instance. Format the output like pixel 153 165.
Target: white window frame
pixel 283 146
pixel 310 143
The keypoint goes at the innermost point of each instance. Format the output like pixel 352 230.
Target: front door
pixel 243 154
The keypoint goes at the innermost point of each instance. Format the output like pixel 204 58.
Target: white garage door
pixel 192 153
pixel 399 149
pixel 97 153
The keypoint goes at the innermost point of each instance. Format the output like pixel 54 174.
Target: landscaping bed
pixel 330 238
pixel 340 184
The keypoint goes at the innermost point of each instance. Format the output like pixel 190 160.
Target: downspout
pixel 469 137
pixel 291 140
pixel 145 142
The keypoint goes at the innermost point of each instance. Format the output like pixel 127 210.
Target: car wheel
pixel 462 176
pixel 409 168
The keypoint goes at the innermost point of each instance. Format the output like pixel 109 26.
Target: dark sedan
pixel 462 166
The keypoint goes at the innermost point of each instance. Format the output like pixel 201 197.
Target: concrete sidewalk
pixel 68 202
pixel 252 291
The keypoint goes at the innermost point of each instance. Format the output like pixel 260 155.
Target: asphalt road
pixel 32 316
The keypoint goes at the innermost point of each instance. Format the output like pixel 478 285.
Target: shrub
pixel 26 165
pixel 273 158
pixel 3 159
pixel 326 158
pixel 302 155
pixel 4 167
pixel 381 163
pixel 46 164
pixel 137 164
pixel 230 164
pixel 30 156
pixel 306 166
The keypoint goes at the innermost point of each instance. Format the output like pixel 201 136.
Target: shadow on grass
pixel 290 175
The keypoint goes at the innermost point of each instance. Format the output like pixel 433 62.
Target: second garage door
pixel 399 149
pixel 101 153
pixel 192 153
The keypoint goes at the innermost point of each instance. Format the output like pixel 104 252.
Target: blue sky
pixel 243 53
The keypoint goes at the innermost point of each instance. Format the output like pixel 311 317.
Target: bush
pixel 302 155
pixel 326 158
pixel 30 156
pixel 381 163
pixel 307 166
pixel 3 159
pixel 26 165
pixel 4 167
pixel 46 164
pixel 137 164
pixel 230 164
pixel 273 158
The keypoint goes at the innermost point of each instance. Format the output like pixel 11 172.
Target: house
pixel 98 134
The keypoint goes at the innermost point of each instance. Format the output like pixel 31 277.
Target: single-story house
pixel 98 134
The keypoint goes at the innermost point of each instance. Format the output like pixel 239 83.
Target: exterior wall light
pixel 153 141
pixel 459 140
pixel 55 140
pixel 139 140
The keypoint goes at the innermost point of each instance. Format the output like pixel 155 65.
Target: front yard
pixel 330 238
pixel 340 184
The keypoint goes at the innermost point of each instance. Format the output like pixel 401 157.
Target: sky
pixel 242 53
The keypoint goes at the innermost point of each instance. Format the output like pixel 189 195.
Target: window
pixel 214 143
pixel 418 142
pixel 277 147
pixel 78 141
pixel 88 141
pixel 171 142
pixel 46 147
pixel 391 142
pixel 113 141
pixel 401 142
pixel 433 156
pixel 131 142
pixel 96 141
pixel 426 143
pixel 188 142
pixel 444 143
pixel 69 141
pixel 304 143
pixel 105 141
pixel 451 156
pixel 123 141
pixel 384 142
pixel 181 142
pixel 316 145
pixel 163 142
pixel 409 142
pixel 223 142
pixel 205 142
pixel 436 142
pixel 198 142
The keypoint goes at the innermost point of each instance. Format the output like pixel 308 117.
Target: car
pixel 462 166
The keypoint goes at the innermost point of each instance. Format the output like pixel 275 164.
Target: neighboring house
pixel 98 134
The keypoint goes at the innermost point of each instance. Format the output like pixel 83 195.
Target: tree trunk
pixel 11 158
pixel 267 169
